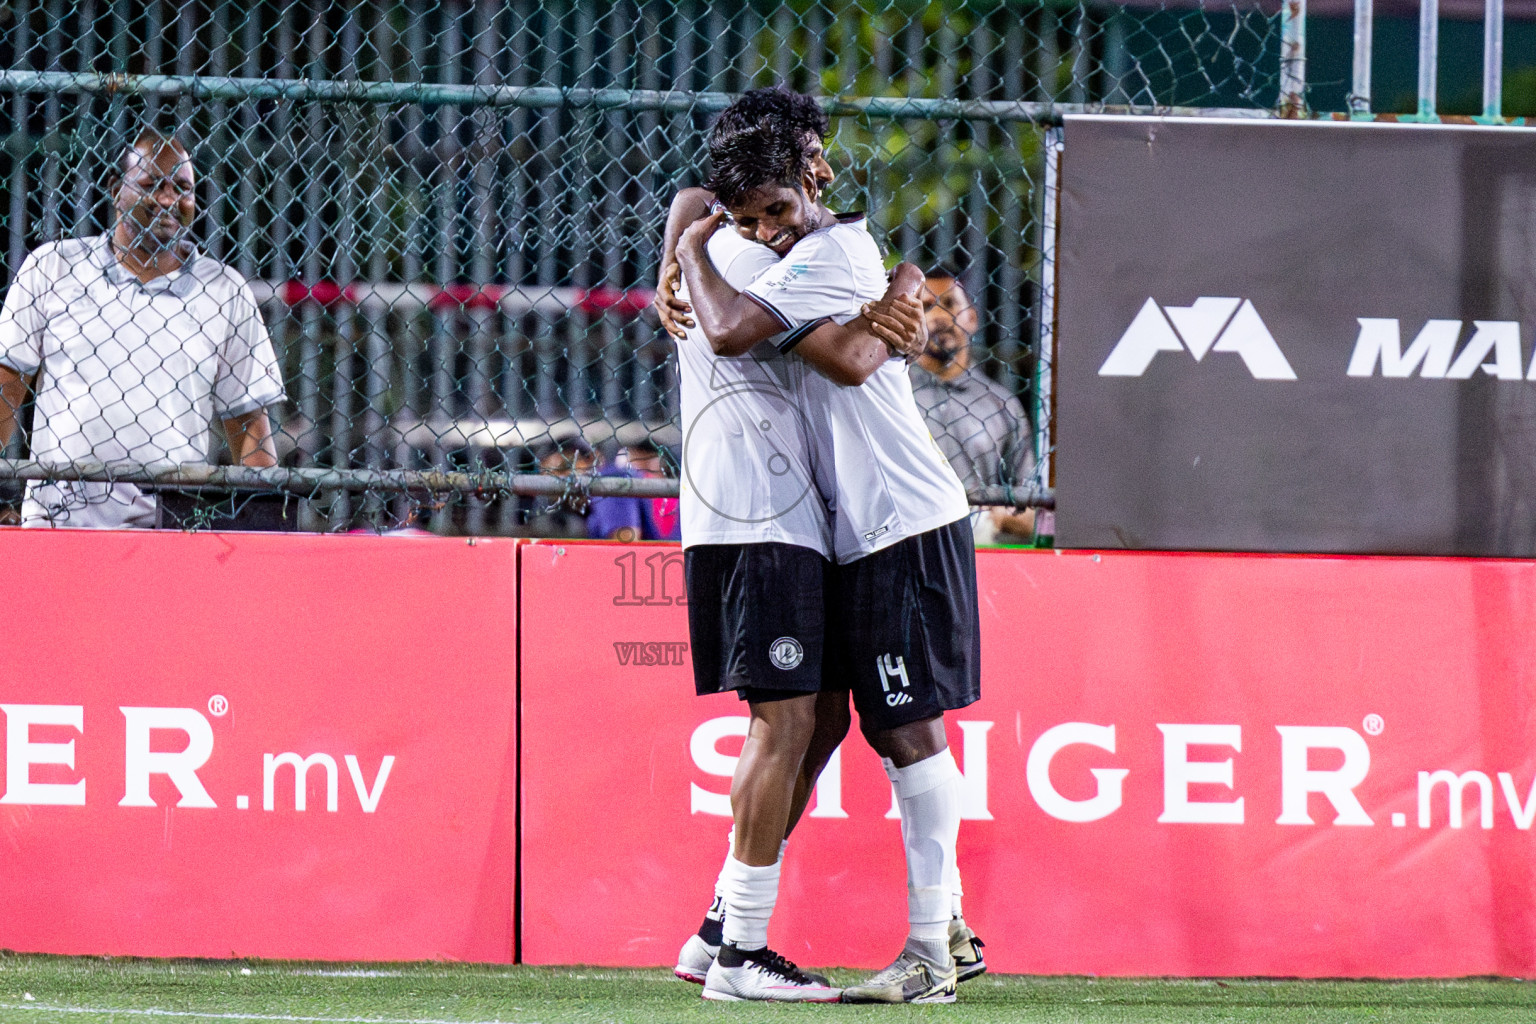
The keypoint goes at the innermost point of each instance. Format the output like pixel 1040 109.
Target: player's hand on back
pixel 672 311
pixel 903 328
pixel 899 322
pixel 687 207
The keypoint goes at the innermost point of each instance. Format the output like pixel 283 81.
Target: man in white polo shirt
pixel 133 342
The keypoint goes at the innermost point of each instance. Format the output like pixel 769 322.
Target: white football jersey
pixel 883 475
pixel 746 475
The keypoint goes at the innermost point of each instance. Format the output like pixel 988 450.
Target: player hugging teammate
pixel 827 545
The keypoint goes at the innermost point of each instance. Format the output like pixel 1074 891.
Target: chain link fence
pixel 448 213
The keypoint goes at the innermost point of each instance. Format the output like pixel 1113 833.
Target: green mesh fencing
pixel 447 216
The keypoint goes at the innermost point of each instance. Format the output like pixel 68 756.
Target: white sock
pixel 750 893
pixel 928 794
pixel 717 908
pixel 956 890
pixel 730 846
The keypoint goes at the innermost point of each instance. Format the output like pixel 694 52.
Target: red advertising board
pixel 162 694
pixel 1181 765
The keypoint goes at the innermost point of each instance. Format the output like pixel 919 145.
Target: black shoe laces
pixel 775 963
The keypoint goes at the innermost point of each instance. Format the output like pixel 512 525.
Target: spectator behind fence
pixel 563 516
pixel 133 342
pixel 632 519
pixel 978 423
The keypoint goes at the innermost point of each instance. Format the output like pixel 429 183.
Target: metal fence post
pixel 1493 60
pixel 1293 59
pixel 1360 90
pixel 1429 56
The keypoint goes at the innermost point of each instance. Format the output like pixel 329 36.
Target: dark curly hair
pixel 761 139
pixel 797 112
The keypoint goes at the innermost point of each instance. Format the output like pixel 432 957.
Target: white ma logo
pixel 1211 324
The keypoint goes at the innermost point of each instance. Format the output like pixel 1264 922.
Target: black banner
pixel 1296 336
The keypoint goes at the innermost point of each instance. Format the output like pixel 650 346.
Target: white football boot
pixel 694 959
pixel 739 975
pixel 965 947
pixel 910 979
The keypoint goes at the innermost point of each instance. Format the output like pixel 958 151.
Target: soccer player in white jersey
pixel 902 605
pixel 134 342
pixel 757 541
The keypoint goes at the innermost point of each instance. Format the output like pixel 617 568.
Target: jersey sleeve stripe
pixel 780 317
pixel 797 335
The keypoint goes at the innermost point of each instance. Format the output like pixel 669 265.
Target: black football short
pixel 756 618
pixel 903 628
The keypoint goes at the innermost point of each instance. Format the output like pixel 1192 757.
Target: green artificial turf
pixel 64 990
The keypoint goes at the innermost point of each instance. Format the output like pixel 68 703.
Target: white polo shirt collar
pixel 179 282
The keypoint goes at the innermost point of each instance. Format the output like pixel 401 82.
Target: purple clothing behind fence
pixel 609 515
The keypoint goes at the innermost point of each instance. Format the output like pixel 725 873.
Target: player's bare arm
pixel 848 353
pixel 892 320
pixel 844 353
pixel 732 322
pixel 889 316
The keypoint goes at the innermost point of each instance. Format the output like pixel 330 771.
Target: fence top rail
pixel 232 89
pixel 894 108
